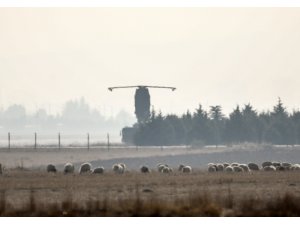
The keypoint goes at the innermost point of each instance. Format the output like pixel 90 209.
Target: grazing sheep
pixel 161 167
pixel 212 165
pixel 225 165
pixel 145 169
pixel 269 168
pixel 51 168
pixel 220 167
pixel 180 167
pixel 187 169
pixel 124 166
pixel 235 164
pixel 98 170
pixel 117 168
pixel 264 164
pixel 245 167
pixel 285 164
pixel 295 167
pixel 276 164
pixel 253 166
pixel 229 169
pixel 238 169
pixel 85 168
pixel 280 168
pixel 166 170
pixel 69 168
pixel 212 169
pixel 158 165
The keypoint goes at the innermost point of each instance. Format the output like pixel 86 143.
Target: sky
pixel 213 56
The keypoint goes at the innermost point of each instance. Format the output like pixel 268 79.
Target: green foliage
pixel 213 128
pixel 142 104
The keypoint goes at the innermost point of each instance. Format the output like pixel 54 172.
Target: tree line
pixel 244 124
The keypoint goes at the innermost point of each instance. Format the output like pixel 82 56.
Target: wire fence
pixel 60 140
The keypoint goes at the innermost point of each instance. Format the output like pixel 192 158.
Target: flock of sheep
pixel 87 168
pixel 265 166
pixel 121 168
pixel 118 168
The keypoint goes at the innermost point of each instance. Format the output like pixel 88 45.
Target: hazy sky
pixel 214 56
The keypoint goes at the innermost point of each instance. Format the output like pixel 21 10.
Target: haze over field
pixel 213 56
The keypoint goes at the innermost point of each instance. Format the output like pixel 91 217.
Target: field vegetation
pixel 35 193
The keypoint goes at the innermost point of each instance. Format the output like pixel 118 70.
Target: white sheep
pixel 180 167
pixel 245 167
pixel 117 168
pixel 145 169
pixel 51 168
pixel 187 169
pixel 212 169
pixel 69 168
pixel 253 166
pixel 238 169
pixel 276 164
pixel 211 164
pixel 166 170
pixel 280 168
pixel 159 164
pixel 286 164
pixel 123 166
pixel 160 168
pixel 85 168
pixel 220 167
pixel 229 169
pixel 235 164
pixel 264 164
pixel 269 168
pixel 226 164
pixel 295 167
pixel 99 170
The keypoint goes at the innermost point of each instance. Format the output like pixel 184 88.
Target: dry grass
pixel 34 193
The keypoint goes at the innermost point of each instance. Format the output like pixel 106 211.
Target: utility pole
pixel 88 141
pixel 59 141
pixel 107 141
pixel 8 140
pixel 35 138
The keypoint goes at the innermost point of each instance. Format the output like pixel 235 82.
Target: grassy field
pixel 36 193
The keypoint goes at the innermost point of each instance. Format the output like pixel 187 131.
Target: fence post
pixel 107 141
pixel 35 138
pixel 59 141
pixel 88 141
pixel 8 140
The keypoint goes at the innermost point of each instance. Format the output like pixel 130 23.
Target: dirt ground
pixel 151 156
pixel 27 189
pixel 226 191
pixel 28 157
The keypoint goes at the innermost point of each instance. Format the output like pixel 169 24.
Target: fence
pixel 60 140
